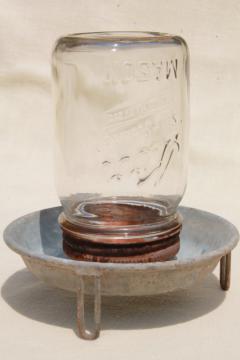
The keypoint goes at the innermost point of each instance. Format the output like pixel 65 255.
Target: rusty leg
pixel 225 271
pixel 83 332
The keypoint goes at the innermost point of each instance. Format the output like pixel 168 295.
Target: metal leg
pixel 225 271
pixel 83 332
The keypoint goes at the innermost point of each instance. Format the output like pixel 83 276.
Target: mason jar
pixel 122 119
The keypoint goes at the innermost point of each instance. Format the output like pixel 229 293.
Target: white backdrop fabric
pixel 38 322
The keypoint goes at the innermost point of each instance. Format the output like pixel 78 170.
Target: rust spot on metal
pixel 163 254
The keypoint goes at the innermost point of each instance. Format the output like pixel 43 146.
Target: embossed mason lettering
pixel 141 70
pixel 133 112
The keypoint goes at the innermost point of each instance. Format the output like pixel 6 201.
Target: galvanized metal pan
pixel 205 240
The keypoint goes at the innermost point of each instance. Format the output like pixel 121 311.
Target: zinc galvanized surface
pixel 205 238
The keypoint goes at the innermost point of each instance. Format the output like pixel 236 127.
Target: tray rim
pixel 168 265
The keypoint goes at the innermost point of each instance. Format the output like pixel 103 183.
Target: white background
pixel 37 322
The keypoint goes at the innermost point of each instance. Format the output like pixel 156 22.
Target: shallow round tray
pixel 205 239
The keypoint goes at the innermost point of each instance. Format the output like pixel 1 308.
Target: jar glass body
pixel 121 129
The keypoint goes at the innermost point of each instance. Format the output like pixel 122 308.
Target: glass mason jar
pixel 121 135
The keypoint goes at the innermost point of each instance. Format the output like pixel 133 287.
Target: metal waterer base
pixel 206 239
pixel 225 277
